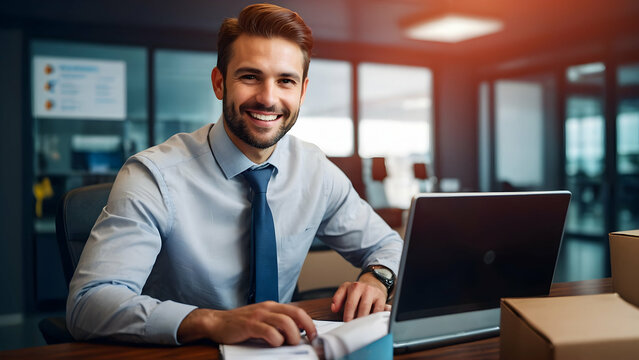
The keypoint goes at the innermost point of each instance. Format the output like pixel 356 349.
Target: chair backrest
pixel 379 169
pixel 77 212
pixel 352 167
pixel 420 171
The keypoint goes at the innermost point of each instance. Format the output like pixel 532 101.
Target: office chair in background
pixel 77 212
pixel 427 183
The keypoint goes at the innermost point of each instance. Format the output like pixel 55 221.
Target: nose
pixel 267 94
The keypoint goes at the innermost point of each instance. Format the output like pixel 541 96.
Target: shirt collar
pixel 232 160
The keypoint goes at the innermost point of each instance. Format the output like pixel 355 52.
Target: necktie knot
pixel 258 178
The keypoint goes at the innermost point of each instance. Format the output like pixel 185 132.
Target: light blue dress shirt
pixel 174 234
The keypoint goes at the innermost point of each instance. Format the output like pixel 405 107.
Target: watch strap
pixel 388 283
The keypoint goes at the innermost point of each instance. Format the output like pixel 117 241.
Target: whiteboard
pixel 65 87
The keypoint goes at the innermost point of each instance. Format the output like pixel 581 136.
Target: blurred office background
pixel 547 98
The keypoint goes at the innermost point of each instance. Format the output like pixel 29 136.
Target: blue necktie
pixel 263 283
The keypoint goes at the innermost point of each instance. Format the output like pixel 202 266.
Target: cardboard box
pixel 587 327
pixel 624 261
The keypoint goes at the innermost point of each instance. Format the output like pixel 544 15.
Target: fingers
pixel 360 300
pixel 266 332
pixel 365 304
pixel 369 303
pixel 301 320
pixel 379 305
pixel 274 323
pixel 285 326
pixel 352 300
pixel 288 320
pixel 339 297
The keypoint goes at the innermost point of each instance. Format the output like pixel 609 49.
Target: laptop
pixel 462 253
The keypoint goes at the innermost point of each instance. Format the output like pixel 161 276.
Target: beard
pixel 238 126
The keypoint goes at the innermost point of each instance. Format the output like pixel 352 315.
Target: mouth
pixel 265 119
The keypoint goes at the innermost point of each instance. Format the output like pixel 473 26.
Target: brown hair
pixel 268 21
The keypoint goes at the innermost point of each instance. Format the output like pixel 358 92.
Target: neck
pixel 254 154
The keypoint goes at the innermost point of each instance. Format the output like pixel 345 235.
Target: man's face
pixel 262 91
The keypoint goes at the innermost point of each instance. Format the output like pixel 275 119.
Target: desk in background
pixel 317 309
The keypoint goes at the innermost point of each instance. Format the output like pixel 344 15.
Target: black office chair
pixel 77 212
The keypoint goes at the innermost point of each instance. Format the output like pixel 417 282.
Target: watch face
pixel 385 273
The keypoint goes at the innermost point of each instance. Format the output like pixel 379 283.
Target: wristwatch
pixel 384 275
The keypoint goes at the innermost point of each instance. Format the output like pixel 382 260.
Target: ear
pixel 218 83
pixel 304 85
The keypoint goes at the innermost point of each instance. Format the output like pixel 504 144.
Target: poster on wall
pixel 79 88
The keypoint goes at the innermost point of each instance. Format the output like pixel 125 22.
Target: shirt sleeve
pixel 105 294
pixel 353 228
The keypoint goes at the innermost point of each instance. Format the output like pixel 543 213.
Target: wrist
pixel 198 324
pixel 382 275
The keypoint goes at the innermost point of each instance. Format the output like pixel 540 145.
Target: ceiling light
pixel 576 73
pixel 453 28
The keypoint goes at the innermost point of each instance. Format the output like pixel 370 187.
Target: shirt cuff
pixel 391 265
pixel 164 321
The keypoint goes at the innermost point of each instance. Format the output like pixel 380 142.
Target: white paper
pixel 258 351
pixel 353 335
pixel 254 350
pixel 323 327
pixel 337 338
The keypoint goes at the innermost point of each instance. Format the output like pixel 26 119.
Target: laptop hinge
pixel 464 336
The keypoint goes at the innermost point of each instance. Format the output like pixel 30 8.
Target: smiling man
pixel 204 235
pixel 266 86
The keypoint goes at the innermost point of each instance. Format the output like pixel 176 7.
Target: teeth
pixel 264 117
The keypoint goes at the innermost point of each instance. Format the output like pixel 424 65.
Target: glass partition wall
pixel 525 133
pixel 326 117
pixel 395 104
pixel 627 179
pixel 573 127
pixel 585 148
pixel 184 97
pixel 89 113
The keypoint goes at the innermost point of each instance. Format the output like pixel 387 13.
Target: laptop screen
pixel 467 251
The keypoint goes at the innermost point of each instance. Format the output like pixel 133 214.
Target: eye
pixel 248 77
pixel 288 82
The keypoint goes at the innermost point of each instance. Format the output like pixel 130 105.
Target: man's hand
pixel 270 321
pixel 363 297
